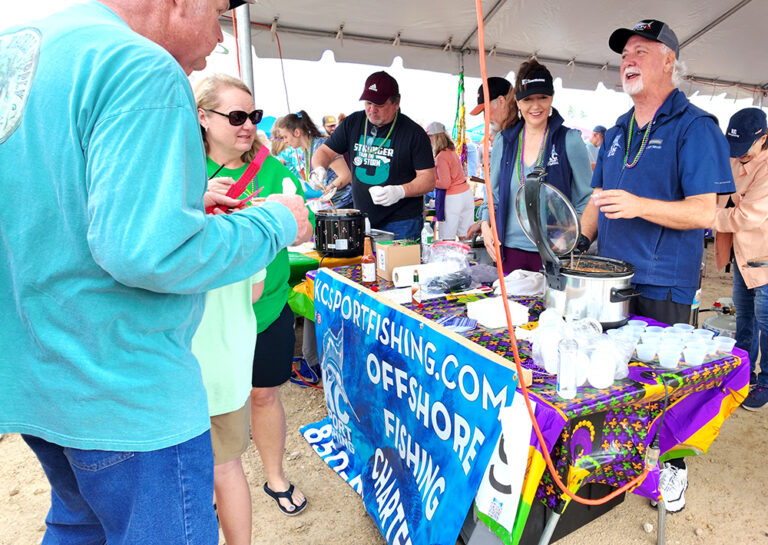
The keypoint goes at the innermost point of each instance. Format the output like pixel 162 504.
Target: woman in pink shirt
pixel 450 177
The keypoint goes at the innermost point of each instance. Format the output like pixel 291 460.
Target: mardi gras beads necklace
pixel 642 144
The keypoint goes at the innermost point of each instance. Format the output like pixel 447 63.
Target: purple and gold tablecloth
pixel 601 435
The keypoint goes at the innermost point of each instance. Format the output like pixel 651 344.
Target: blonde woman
pixel 459 209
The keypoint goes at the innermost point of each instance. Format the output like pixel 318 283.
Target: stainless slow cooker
pixel 579 286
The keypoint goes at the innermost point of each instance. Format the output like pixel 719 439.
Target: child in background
pixel 223 345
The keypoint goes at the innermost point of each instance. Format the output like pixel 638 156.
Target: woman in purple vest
pixel 538 138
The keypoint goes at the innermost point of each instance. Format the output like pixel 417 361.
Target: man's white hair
pixel 678 69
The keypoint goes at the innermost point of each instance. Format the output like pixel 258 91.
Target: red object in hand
pixel 236 189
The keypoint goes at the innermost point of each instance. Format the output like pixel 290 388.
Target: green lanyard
pixel 365 133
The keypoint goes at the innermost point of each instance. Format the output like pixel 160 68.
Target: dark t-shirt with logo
pixel 375 159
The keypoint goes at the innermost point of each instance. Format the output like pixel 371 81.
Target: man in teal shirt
pixel 104 266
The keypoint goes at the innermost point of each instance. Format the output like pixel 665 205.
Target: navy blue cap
pixel 539 82
pixel 647 28
pixel 744 128
pixel 599 129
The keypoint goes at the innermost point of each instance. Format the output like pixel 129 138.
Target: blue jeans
pixel 751 322
pixel 160 497
pixel 410 228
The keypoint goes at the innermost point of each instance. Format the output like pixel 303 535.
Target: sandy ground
pixel 723 499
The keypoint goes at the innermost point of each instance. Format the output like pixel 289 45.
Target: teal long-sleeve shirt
pixel 106 251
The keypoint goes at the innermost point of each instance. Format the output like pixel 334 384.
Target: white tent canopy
pixel 720 40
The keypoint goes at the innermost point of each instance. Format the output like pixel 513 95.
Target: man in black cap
pixel 498 89
pixel 391 159
pixel 104 278
pixel 741 236
pixel 655 182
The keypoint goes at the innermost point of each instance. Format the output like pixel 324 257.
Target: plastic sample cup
pixel 725 344
pixel 637 323
pixel 651 337
pixel 683 327
pixel 694 354
pixel 669 358
pixel 711 346
pixel 655 329
pixel 647 351
pixel 705 334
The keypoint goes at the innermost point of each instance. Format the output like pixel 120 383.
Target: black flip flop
pixel 288 495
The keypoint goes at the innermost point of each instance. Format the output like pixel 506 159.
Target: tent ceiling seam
pixel 714 23
pixel 493 11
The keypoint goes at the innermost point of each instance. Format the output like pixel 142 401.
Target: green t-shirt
pixel 223 345
pixel 272 177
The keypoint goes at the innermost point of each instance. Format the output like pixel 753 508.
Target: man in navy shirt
pixel 655 183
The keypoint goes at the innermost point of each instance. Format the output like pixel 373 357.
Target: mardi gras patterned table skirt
pixel 601 435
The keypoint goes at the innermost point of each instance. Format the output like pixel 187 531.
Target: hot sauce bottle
pixel 416 290
pixel 368 264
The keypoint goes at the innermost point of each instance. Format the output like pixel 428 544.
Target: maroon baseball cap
pixel 379 87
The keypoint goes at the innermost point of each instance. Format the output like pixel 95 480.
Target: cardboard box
pixel 395 253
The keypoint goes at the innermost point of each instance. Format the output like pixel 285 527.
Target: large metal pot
pixel 595 287
pixel 580 287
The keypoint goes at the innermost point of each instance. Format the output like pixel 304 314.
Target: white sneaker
pixel 672 484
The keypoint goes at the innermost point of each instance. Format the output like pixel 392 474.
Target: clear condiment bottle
pixel 567 351
pixel 368 264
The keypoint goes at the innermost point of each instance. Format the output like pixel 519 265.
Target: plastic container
pixel 651 338
pixel 669 358
pixel 683 327
pixel 695 354
pixel 602 366
pixel 647 351
pixel 639 323
pixel 655 329
pixel 711 346
pixel 725 344
pixel 567 368
pixel 706 334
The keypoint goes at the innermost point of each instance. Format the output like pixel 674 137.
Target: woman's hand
pixel 220 184
pixel 215 199
pixel 485 228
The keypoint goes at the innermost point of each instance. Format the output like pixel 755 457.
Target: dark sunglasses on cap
pixel 238 117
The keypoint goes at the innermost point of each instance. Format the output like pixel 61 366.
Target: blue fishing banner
pixel 413 411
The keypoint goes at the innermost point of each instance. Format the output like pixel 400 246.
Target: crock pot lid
pixel 559 222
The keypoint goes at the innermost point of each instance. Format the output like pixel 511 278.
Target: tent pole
pixel 244 52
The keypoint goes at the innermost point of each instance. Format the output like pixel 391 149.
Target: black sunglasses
pixel 238 117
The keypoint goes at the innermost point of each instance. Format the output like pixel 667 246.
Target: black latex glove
pixel 582 245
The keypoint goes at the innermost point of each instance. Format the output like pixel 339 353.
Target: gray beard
pixel 633 87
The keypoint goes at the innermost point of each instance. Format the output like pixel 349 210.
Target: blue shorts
pixel 160 497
